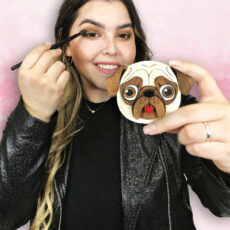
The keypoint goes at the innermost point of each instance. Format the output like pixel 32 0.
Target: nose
pixel 110 46
pixel 149 93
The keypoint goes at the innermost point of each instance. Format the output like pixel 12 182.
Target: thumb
pixel 206 84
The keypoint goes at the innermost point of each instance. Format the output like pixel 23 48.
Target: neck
pixel 96 99
pixel 97 95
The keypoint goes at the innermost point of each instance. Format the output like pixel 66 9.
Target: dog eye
pixel 130 92
pixel 167 92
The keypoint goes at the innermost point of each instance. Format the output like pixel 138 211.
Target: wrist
pixel 37 114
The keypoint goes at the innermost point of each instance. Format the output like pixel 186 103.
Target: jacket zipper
pixel 168 190
pixel 59 201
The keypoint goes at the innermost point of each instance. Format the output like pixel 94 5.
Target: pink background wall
pixel 197 31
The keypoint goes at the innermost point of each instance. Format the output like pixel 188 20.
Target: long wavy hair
pixel 68 121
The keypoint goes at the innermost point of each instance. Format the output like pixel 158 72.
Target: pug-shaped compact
pixel 148 90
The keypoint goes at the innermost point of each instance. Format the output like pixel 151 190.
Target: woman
pixel 98 177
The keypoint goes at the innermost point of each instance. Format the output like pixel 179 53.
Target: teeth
pixel 107 66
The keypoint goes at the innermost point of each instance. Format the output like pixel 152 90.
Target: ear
pixel 112 83
pixel 185 82
pixel 68 52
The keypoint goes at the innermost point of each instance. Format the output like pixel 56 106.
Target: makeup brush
pixel 57 45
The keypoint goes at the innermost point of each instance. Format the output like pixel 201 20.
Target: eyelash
pixel 125 35
pixel 94 34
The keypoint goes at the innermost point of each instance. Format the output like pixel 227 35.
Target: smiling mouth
pixel 107 69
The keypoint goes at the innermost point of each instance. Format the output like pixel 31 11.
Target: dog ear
pixel 185 82
pixel 112 83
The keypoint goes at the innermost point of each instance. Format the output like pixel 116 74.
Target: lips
pixel 107 68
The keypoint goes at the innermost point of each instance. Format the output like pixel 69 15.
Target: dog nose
pixel 149 93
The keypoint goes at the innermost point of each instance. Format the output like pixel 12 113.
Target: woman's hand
pixel 42 81
pixel 189 121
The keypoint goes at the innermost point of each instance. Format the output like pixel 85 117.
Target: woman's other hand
pixel 189 122
pixel 42 81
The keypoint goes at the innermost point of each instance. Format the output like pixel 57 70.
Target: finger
pixel 216 151
pixel 186 115
pixel 33 56
pixel 55 71
pixel 207 85
pixel 46 60
pixel 197 133
pixel 63 79
pixel 174 130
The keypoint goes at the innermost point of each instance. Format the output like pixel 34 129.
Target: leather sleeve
pixel 23 150
pixel 207 181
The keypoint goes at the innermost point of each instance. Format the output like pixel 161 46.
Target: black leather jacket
pixel 161 192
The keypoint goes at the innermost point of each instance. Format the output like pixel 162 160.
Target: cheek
pixel 129 53
pixel 83 52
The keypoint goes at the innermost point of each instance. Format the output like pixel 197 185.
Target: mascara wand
pixel 57 45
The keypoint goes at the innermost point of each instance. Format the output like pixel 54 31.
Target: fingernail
pixel 175 63
pixel 48 43
pixel 149 128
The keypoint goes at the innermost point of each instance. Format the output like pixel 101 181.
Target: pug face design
pixel 148 90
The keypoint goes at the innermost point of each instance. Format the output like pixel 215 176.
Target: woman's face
pixel 110 43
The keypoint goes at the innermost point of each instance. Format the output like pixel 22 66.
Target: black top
pixel 93 198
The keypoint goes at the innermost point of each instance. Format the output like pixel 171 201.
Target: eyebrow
pixel 90 21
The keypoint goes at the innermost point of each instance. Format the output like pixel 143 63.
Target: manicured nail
pixel 149 128
pixel 48 43
pixel 59 50
pixel 175 63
